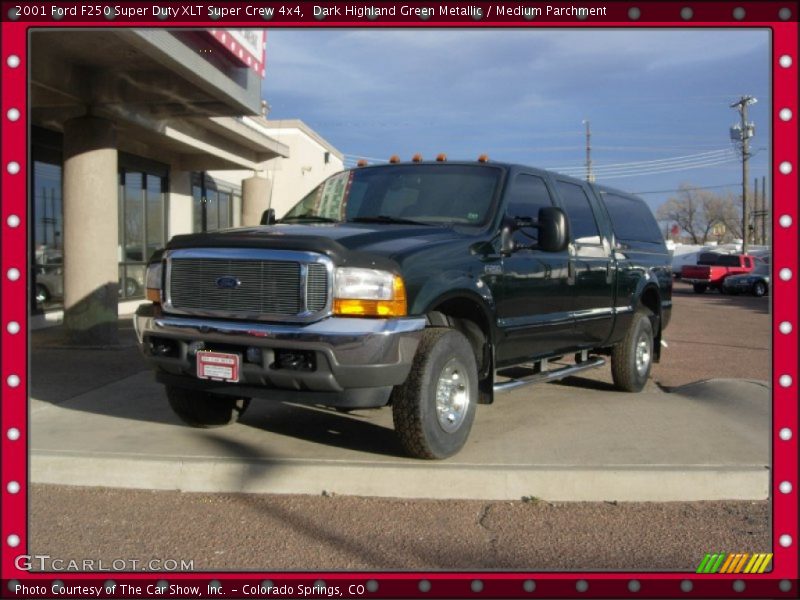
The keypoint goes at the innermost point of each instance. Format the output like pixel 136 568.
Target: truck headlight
pixel 152 281
pixel 368 293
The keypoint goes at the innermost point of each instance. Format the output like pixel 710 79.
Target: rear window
pixel 728 260
pixel 708 259
pixel 711 259
pixel 631 219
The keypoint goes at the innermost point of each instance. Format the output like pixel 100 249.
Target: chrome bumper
pixel 349 352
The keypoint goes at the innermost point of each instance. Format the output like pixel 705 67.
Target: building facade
pixel 136 136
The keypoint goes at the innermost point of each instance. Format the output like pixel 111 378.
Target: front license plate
pixel 218 366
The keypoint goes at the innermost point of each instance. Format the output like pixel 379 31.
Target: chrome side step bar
pixel 554 375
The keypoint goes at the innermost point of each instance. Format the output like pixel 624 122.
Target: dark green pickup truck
pixel 416 285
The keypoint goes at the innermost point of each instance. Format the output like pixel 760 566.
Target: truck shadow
pixel 74 378
pixel 321 425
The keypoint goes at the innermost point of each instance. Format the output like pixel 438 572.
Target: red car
pixel 712 269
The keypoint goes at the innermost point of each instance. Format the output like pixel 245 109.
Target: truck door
pixel 534 304
pixel 592 274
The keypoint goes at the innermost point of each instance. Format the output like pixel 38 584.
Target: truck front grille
pixel 250 288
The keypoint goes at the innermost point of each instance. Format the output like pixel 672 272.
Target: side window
pixel 581 217
pixel 631 219
pixel 528 194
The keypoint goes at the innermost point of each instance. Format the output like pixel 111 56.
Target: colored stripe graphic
pixel 755 558
pixel 718 564
pixel 741 562
pixel 757 565
pixel 702 566
pixel 735 562
pixel 765 563
pixel 728 561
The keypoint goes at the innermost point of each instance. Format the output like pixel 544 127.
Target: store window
pixel 213 203
pixel 142 224
pixel 48 228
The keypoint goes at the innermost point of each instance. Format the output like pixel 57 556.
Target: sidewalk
pixel 99 419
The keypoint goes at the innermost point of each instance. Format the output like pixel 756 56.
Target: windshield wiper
pixel 309 217
pixel 387 219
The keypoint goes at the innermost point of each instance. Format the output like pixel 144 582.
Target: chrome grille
pixel 317 287
pixel 263 288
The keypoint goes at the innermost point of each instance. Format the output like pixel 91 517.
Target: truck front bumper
pixel 348 362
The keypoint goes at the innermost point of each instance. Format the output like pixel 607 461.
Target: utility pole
pixel 755 212
pixel 744 130
pixel 764 211
pixel 589 174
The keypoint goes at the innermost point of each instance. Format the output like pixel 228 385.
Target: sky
pixel 521 95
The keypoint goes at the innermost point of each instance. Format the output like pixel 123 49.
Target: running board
pixel 553 375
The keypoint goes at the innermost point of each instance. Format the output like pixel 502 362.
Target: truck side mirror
pixel 268 217
pixel 553 229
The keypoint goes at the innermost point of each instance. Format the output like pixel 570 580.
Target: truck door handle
pixel 571 272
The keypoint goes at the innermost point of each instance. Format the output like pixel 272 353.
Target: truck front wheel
pixel 204 409
pixel 434 409
pixel 632 358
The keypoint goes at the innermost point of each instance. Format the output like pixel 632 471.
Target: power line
pixel 667 170
pixel 654 162
pixel 694 187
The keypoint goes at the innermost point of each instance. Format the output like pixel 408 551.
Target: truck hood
pixel 346 243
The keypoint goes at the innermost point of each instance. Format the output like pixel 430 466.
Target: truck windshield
pixel 424 194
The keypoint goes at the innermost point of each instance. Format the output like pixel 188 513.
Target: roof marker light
pixel 394 159
pixel 417 157
pixel 362 163
pixel 483 158
pixel 441 157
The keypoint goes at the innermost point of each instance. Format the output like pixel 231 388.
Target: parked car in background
pixel 713 268
pixel 686 255
pixel 756 282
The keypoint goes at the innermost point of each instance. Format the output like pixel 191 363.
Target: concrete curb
pixel 629 483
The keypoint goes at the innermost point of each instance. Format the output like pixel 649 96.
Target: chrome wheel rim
pixel 643 354
pixel 452 395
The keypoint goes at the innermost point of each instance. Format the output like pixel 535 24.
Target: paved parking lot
pixel 108 429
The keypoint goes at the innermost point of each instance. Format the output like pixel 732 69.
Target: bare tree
pixel 731 215
pixel 695 211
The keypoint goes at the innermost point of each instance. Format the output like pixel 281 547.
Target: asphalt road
pixel 710 336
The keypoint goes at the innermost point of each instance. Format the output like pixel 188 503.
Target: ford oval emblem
pixel 228 282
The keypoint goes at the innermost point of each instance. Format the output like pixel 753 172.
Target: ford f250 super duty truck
pixel 416 285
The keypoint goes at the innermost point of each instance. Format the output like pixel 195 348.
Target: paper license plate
pixel 218 366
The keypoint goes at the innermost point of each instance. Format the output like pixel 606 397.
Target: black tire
pixel 204 409
pixel 759 289
pixel 699 288
pixel 131 288
pixel 442 352
pixel 632 358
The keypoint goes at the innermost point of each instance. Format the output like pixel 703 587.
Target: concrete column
pixel 90 196
pixel 256 197
pixel 181 206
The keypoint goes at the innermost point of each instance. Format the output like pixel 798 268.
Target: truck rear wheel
pixel 434 409
pixel 204 409
pixel 632 358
